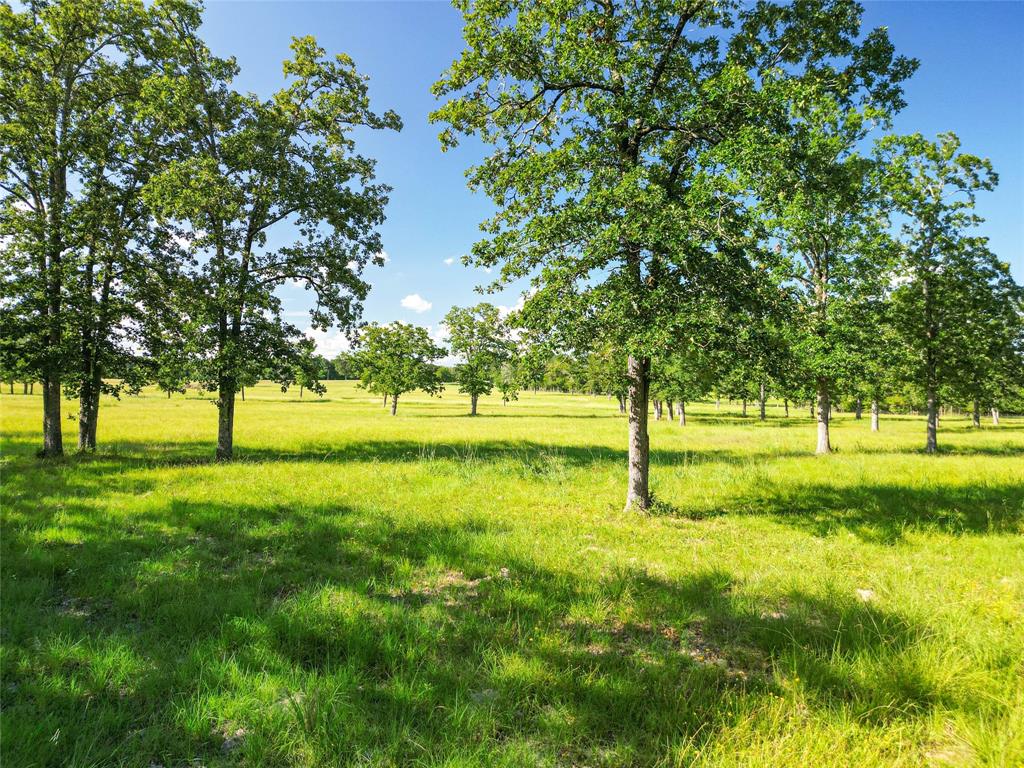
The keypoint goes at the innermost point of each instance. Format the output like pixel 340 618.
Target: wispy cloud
pixel 416 303
pixel 449 261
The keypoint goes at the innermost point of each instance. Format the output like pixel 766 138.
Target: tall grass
pixel 433 589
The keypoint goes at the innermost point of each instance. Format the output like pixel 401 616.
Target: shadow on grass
pixel 326 632
pixel 875 511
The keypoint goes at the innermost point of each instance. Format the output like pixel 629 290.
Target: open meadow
pixel 434 589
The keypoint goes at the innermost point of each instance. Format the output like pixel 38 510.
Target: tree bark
pixel 51 272
pixel 995 417
pixel 682 413
pixel 858 408
pixel 394 404
pixel 874 415
pixel 88 415
pixel 824 410
pixel 53 440
pixel 718 402
pixel 243 394
pixel 761 403
pixel 638 496
pixel 472 404
pixel 169 395
pixel 671 413
pixel 785 404
pixel 812 409
pixel 225 420
pixel 24 387
pixel 932 443
pixel 744 407
pixel 976 415
pixel 622 403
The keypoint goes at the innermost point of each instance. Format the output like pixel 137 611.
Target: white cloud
pixel 449 261
pixel 330 344
pixel 439 334
pixel 383 256
pixel 416 303
pixel 505 311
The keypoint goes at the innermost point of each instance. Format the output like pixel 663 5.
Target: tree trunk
pixel 622 403
pixel 874 415
pixel 53 440
pixel 31 387
pixel 638 371
pixel 385 401
pixel 88 414
pixel 718 402
pixel 24 387
pixel 169 395
pixel 10 386
pixel 657 410
pixel 744 407
pixel 682 413
pixel 976 414
pixel 243 394
pixel 812 409
pixel 394 404
pixel 302 388
pixel 857 409
pixel 671 413
pixel 995 417
pixel 472 404
pixel 824 444
pixel 785 403
pixel 761 403
pixel 932 443
pixel 225 420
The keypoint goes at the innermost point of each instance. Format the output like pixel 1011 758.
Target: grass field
pixel 432 589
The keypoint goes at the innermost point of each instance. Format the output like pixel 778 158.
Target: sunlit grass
pixel 433 589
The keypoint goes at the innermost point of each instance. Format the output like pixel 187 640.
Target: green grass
pixel 433 589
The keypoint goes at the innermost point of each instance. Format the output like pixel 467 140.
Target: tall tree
pixel 478 336
pixel 397 358
pixel 74 152
pixel 249 166
pixel 819 200
pixel 933 185
pixel 603 116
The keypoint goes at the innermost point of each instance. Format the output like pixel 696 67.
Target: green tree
pixel 603 118
pixel 479 337
pixel 932 185
pixel 397 358
pixel 818 199
pixel 78 142
pixel 249 166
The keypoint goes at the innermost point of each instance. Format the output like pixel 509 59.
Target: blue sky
pixel 971 81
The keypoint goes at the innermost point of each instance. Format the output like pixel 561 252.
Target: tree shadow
pixel 882 512
pixel 334 632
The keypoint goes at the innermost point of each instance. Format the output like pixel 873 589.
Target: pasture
pixel 438 590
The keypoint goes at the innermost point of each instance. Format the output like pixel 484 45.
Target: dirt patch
pixel 647 641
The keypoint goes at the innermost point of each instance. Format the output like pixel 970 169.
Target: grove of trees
pixel 706 199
